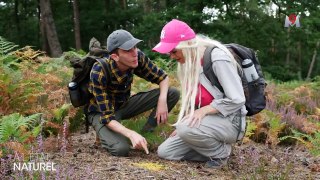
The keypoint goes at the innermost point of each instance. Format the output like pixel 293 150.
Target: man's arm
pixel 162 107
pixel 97 88
pixel 149 71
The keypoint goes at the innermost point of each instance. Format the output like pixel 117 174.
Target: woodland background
pixel 39 37
pixel 60 25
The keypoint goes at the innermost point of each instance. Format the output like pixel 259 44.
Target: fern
pixel 312 142
pixel 7 59
pixel 6 47
pixel 276 126
pixel 61 113
pixel 251 127
pixel 12 127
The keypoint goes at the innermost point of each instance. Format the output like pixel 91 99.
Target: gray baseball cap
pixel 121 39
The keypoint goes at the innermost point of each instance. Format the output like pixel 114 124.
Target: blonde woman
pixel 208 122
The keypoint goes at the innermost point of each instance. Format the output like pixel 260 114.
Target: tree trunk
pixel 313 60
pixel 124 7
pixel 288 48
pixel 44 44
pixel 50 28
pixel 106 11
pixel 42 28
pixel 163 4
pixel 17 19
pixel 124 4
pixel 299 61
pixel 147 6
pixel 76 19
pixel 273 50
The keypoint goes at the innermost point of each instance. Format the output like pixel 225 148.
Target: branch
pixel 280 11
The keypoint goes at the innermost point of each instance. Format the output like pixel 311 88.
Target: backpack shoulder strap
pixel 241 51
pixel 207 68
pixel 105 68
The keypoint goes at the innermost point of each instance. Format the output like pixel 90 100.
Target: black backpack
pixel 78 87
pixel 254 91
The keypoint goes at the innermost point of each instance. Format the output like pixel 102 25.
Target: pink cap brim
pixel 164 48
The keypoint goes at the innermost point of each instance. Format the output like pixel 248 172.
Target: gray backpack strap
pixel 207 68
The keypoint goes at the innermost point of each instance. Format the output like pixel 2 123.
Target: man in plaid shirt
pixel 112 102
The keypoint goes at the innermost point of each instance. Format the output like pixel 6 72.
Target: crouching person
pixel 208 123
pixel 112 101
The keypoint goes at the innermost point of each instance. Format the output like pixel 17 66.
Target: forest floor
pixel 251 160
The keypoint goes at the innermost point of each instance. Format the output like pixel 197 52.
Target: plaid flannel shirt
pixel 109 95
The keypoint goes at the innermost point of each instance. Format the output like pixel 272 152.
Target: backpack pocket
pixel 79 94
pixel 74 94
pixel 256 100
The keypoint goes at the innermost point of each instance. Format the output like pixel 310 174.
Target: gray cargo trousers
pixel 117 144
pixel 212 139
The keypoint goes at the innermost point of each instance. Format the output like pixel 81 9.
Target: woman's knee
pixel 193 136
pixel 162 151
pixel 184 131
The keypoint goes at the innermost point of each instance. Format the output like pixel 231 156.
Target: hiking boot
pixel 216 163
pixel 147 128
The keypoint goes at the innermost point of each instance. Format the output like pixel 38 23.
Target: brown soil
pixel 249 161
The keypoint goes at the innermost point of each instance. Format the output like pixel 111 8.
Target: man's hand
pixel 138 141
pixel 162 107
pixel 162 111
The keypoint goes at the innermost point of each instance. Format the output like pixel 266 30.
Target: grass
pixel 155 138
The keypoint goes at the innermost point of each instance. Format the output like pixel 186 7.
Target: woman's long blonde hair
pixel 188 73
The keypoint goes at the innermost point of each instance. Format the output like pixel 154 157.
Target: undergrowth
pixel 32 84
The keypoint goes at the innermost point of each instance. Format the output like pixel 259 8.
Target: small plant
pixel 312 142
pixel 6 47
pixel 251 127
pixel 17 133
pixel 27 53
pixel 275 127
pixel 61 113
pixel 15 127
pixel 55 125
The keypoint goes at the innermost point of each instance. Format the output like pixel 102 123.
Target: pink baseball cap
pixel 172 34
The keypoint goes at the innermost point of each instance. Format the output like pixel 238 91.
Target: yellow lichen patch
pixel 150 166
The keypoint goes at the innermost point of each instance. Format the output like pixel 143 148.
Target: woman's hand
pixel 199 114
pixel 173 133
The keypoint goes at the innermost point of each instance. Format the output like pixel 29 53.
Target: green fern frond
pixel 61 113
pixel 6 47
pixel 30 120
pixel 36 130
pixel 312 142
pixel 10 126
pixel 251 127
